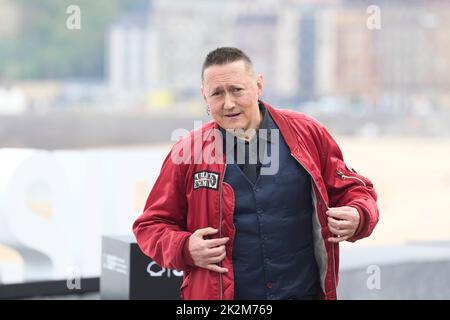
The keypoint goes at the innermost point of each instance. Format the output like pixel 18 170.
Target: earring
pixel 208 111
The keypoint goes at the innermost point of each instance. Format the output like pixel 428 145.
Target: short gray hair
pixel 224 55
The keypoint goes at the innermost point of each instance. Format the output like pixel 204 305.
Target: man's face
pixel 232 92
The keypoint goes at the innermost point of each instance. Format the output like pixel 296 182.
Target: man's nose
pixel 228 103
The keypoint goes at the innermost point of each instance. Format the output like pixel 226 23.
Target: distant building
pixel 187 32
pixel 403 61
pixel 10 16
pixel 305 49
pixel 257 37
pixel 165 49
pixel 132 54
pixel 356 71
pixel 414 53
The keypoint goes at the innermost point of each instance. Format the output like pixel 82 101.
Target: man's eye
pixel 215 94
pixel 238 89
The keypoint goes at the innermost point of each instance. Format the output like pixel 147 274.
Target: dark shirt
pixel 248 154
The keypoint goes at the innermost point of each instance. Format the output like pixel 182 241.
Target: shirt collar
pixel 266 124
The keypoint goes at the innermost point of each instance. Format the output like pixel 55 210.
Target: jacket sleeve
pixel 345 187
pixel 161 229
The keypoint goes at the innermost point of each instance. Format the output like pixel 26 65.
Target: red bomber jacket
pixel 176 207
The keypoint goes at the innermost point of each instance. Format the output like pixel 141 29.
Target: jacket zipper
pixel 220 227
pixel 343 176
pixel 323 198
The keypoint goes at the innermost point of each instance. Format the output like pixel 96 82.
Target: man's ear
pixel 260 85
pixel 202 93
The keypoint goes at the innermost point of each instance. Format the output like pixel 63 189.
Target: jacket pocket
pixel 356 178
pixel 347 174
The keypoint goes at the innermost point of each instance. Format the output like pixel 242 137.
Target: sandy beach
pixel 412 179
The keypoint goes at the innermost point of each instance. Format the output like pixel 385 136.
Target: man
pixel 243 227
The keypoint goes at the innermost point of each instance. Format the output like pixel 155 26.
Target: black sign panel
pixel 128 274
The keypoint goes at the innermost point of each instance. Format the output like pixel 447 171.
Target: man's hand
pixel 207 252
pixel 343 222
